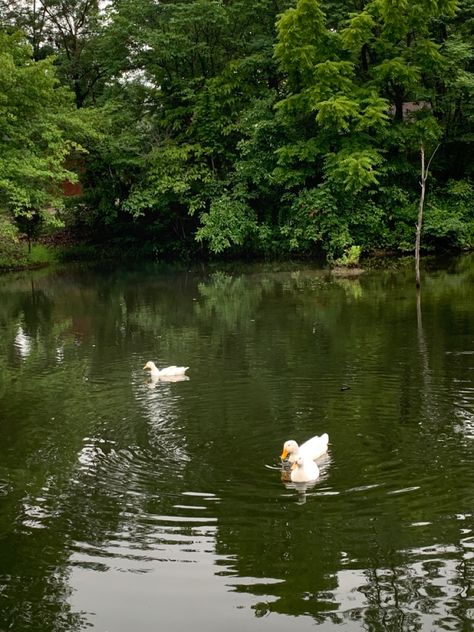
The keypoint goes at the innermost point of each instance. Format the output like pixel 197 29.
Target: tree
pixel 36 116
pixel 348 112
pixel 69 29
pixel 225 135
pixel 425 167
pixel 189 77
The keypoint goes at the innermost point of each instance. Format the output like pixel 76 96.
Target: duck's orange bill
pixel 284 454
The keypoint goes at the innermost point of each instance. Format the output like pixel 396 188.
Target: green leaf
pixel 337 112
pixel 353 170
pixel 229 222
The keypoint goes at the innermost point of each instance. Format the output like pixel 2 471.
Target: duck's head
pixel 289 447
pixel 149 366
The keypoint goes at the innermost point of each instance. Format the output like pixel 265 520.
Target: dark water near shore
pixel 130 505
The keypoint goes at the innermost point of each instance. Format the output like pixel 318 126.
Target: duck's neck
pixel 294 456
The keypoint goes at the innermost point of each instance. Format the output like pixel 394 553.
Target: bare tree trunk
pixel 419 224
pixel 420 216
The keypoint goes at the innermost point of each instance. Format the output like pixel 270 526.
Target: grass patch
pixel 42 255
pixel 15 256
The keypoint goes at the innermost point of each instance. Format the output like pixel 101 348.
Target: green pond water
pixel 132 505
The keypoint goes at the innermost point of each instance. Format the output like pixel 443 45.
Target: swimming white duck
pixel 304 471
pixel 168 371
pixel 310 450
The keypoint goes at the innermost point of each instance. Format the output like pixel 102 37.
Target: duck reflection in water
pixel 300 488
pixel 154 380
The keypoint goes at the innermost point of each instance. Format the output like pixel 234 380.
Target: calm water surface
pixel 127 505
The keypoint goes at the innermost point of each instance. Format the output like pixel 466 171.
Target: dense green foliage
pixel 33 147
pixel 246 128
pixel 39 133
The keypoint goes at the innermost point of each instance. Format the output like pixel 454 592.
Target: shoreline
pixel 49 256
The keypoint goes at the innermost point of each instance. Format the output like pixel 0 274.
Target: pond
pixel 131 504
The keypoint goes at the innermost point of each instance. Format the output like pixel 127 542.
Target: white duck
pixel 168 371
pixel 309 450
pixel 304 471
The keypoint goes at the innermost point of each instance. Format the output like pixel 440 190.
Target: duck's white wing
pixel 314 447
pixel 173 378
pixel 173 370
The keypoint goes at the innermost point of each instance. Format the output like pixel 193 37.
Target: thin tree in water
pixel 419 224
